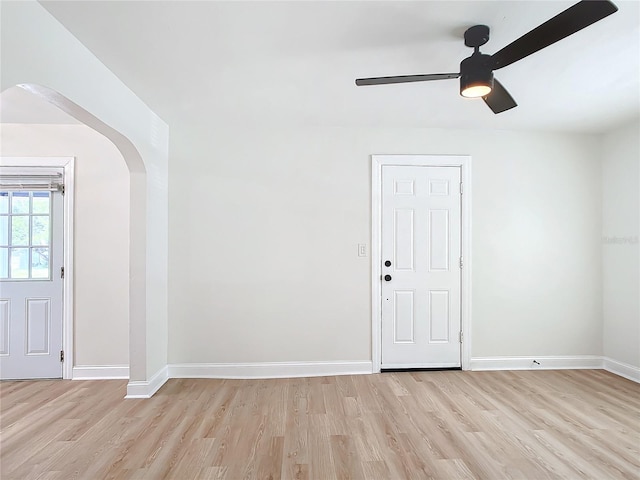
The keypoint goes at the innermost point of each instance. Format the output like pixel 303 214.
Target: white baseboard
pixel 268 369
pixel 544 363
pixel 623 369
pixel 146 389
pixel 100 372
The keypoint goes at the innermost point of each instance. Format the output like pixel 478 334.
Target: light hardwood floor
pixel 572 424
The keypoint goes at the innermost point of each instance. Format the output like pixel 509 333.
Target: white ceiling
pixel 294 62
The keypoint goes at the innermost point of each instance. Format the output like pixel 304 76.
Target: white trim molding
pixel 622 369
pixel 268 369
pixel 377 161
pixel 146 389
pixel 543 362
pixel 101 372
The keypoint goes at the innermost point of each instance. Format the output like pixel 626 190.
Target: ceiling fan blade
pixel 566 23
pixel 499 99
pixel 405 79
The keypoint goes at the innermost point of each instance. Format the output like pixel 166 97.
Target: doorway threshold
pixel 436 369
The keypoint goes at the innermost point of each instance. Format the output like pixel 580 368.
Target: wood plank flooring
pixel 574 424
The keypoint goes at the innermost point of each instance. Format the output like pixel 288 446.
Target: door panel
pixel 403 240
pixel 421 236
pixel 439 241
pixel 439 319
pixel 403 319
pixel 38 326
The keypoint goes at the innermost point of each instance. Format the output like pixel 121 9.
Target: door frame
pixel 67 166
pixel 377 162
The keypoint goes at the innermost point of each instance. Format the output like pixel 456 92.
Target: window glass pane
pixel 4 262
pixel 41 202
pixel 20 202
pixel 20 230
pixel 4 202
pixel 40 230
pixel 40 263
pixel 4 230
pixel 19 263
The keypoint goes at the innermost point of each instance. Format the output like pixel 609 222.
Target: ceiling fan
pixel 476 71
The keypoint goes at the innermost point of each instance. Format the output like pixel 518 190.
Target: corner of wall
pixel 146 389
pixel 620 163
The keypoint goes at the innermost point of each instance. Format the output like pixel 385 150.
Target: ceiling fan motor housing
pixel 476 71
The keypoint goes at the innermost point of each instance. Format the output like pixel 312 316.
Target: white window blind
pixel 49 182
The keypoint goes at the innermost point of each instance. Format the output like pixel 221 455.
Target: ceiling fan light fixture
pixel 476 91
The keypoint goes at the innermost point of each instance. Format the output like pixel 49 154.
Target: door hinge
pixel 460 335
pixel 460 188
pixel 461 263
pixel 61 272
pixel 62 355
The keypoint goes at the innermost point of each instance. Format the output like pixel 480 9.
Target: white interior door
pixel 31 287
pixel 421 259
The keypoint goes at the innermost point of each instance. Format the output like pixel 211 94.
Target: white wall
pixel 620 249
pixel 101 234
pixel 265 225
pixel 38 51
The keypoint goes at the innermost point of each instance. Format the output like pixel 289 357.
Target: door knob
pixel 387 263
pixel 387 277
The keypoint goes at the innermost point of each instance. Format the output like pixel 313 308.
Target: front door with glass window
pixel 31 287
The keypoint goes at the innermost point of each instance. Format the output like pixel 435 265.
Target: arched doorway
pixel 136 205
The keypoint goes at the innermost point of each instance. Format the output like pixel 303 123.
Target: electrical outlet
pixel 362 249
